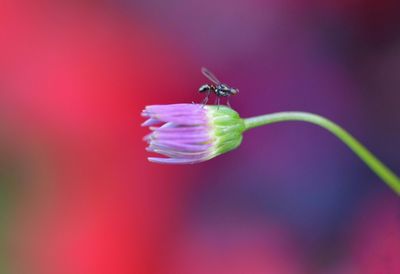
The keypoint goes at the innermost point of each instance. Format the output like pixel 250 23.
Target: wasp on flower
pixel 220 89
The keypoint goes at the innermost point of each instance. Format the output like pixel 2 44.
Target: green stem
pixel 369 159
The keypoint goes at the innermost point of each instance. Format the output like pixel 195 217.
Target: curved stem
pixel 369 159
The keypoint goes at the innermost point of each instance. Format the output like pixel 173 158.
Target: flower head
pixel 191 133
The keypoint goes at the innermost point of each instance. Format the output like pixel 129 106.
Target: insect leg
pixel 227 102
pixel 206 98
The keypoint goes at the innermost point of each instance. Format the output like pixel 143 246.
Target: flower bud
pixel 191 133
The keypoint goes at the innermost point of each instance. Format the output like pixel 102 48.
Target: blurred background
pixel 77 195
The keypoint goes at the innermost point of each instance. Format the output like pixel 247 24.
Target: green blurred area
pixel 10 175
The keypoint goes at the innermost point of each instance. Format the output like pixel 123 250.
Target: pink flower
pixel 191 133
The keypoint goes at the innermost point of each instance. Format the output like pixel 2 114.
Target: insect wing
pixel 210 76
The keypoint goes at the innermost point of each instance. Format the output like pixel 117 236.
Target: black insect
pixel 220 89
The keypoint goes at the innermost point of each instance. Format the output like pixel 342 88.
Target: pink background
pixel 79 197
